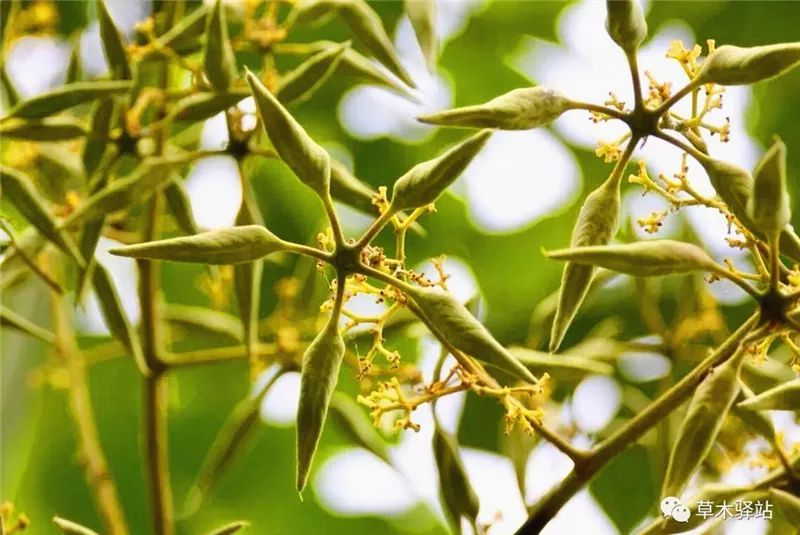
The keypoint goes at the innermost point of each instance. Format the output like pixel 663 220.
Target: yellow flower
pixel 652 223
pixel 610 152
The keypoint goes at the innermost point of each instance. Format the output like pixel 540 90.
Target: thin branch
pixel 605 110
pixel 633 64
pixel 671 101
pixel 374 229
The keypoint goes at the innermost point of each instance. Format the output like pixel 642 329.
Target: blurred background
pixel 521 195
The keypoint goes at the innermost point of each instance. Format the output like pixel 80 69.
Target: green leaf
pixel 19 189
pixel 707 411
pixel 460 499
pixel 642 259
pixel 519 109
pixel 460 328
pixel 320 372
pixel 769 204
pixel 180 207
pixel 625 23
pixel 205 319
pixel 74 70
pixel 51 129
pixel 113 45
pixel 560 365
pixel 228 246
pixel 313 12
pixel 67 97
pixel 219 63
pixel 68 527
pixel 201 106
pixel 425 182
pixel 351 420
pixel 10 319
pixel 367 27
pixel 785 397
pixel 302 82
pixel 114 315
pixel 230 529
pixel 733 65
pixel 186 31
pixel 349 190
pixel 96 142
pixel 596 225
pixel 309 161
pixel 422 14
pixel 247 277
pixel 789 505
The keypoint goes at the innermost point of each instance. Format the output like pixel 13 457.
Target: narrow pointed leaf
pixel 457 492
pixel 74 69
pixel 113 44
pixel 707 410
pixel 519 109
pixel 734 65
pixel 68 527
pixel 789 505
pixel 364 70
pixel 424 182
pixel 597 223
pixel 309 161
pixel 230 529
pixel 52 129
pixel 642 259
pixel 352 421
pixel 201 106
pixel 785 397
pixel 10 319
pixel 467 334
pixel 769 204
pixel 19 189
pixel 320 372
pixel 757 421
pixel 228 246
pixel 312 12
pixel 625 23
pixel 219 62
pixel 186 31
pixel 422 14
pixel 560 365
pixel 348 189
pixel 67 97
pixel 301 83
pixel 96 142
pixel 367 27
pixel 205 319
pixel 9 91
pixel 180 207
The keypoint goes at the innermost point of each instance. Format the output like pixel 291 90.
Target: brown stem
pixel 91 454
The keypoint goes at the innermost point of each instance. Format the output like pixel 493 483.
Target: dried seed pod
pixel 66 97
pixel 10 319
pixel 18 188
pixel 68 527
pixel 625 23
pixel 424 182
pixel 560 365
pixel 785 397
pixel 303 155
pixel 216 247
pixel 422 14
pixel 789 505
pixel 597 223
pixel 642 259
pixel 352 421
pixel 320 372
pixel 519 109
pixel 113 45
pixel 460 328
pixel 219 63
pixel 201 106
pixel 457 493
pixel 50 129
pixel 231 528
pixel 734 65
pixel 707 411
pixel 769 204
pixel 367 27
pixel 114 315
pixel 302 82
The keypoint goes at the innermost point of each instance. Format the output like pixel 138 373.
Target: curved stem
pixel 333 219
pixel 611 112
pixel 629 433
pixel 738 281
pixel 375 228
pixel 671 101
pixel 689 149
pixel 313 252
pixel 633 64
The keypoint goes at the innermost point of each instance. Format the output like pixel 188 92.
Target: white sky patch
pixel 519 177
pixel 595 402
pixel 280 405
pixel 355 482
pixel 47 56
pixel 215 192
pixel 124 276
pixel 643 367
pixel 461 283
pixel 492 477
